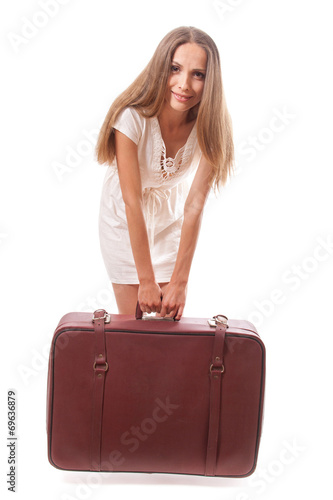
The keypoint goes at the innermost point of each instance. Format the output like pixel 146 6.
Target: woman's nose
pixel 184 82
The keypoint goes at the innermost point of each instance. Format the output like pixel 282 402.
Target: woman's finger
pixel 163 310
pixel 179 313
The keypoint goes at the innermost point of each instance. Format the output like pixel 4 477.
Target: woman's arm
pixel 174 294
pixel 149 295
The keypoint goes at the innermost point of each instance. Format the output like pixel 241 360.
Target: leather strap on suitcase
pixel 100 368
pixel 216 371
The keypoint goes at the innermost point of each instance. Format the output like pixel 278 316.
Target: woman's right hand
pixel 150 297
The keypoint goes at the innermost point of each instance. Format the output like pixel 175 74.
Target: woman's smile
pixel 181 98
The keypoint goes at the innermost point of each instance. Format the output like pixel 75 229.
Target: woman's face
pixel 187 77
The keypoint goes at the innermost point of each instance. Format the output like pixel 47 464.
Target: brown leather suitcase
pixel 148 395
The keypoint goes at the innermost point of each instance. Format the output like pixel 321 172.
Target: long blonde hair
pixel 146 95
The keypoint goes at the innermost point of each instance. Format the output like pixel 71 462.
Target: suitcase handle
pixel 138 315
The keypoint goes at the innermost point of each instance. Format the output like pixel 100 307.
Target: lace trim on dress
pixel 167 167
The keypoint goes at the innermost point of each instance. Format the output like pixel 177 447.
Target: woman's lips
pixel 181 98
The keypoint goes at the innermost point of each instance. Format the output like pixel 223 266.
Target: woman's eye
pixel 198 74
pixel 174 69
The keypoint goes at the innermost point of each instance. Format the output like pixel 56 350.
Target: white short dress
pixel 165 188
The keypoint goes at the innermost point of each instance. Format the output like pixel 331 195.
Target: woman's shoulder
pixel 131 123
pixel 131 114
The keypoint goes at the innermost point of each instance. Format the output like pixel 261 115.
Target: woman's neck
pixel 173 120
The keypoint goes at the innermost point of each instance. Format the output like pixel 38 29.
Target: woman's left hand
pixel 173 300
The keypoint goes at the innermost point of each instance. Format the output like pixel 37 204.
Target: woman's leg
pixel 126 297
pixel 162 285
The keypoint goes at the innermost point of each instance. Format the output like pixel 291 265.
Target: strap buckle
pixel 106 366
pixel 220 319
pixel 217 368
pixel 106 317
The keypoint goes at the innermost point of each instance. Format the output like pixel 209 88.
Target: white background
pixel 262 253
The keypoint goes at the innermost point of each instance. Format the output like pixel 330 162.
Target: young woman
pixel 171 123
